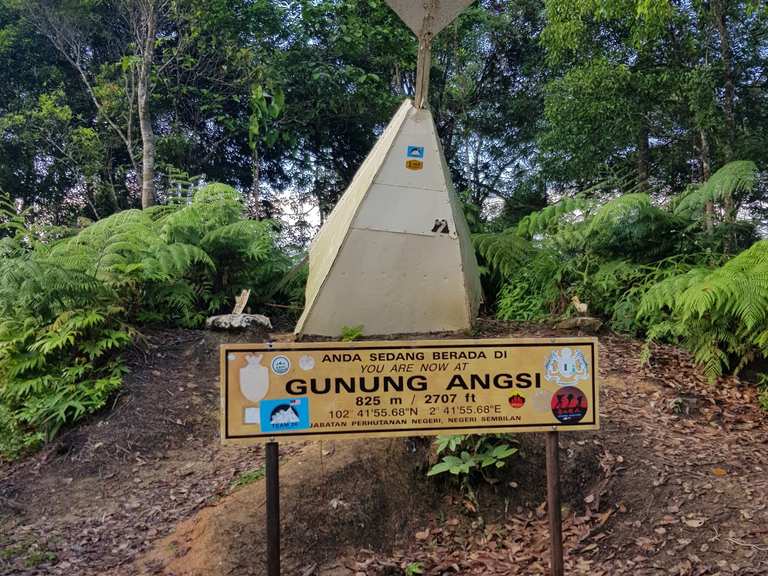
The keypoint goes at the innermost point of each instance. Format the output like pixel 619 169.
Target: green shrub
pixel 664 272
pixel 720 314
pixel 68 305
pixel 465 456
pixel 14 440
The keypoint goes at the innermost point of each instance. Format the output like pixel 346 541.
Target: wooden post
pixel 553 504
pixel 273 509
pixel 424 59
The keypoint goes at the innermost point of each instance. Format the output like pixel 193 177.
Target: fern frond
pixel 250 238
pixel 504 253
pixel 619 210
pixel 731 180
pixel 173 261
pixel 569 210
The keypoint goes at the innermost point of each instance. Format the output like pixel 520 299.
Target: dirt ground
pixel 674 483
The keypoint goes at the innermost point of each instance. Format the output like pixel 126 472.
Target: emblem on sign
pixel 307 363
pixel 284 415
pixel 415 152
pixel 566 367
pixel 280 365
pixel 569 405
pixel 415 157
pixel 254 379
pixel 516 401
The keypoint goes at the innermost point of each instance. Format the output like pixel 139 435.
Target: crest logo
pixel 281 365
pixel 566 367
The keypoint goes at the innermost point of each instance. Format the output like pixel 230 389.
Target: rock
pixel 585 323
pixel 238 322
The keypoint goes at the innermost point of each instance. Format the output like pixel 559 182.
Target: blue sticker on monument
pixel 285 415
pixel 415 152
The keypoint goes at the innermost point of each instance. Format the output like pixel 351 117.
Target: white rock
pixel 238 322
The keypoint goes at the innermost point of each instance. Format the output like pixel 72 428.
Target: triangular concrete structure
pixel 395 255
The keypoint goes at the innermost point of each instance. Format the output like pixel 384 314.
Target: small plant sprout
pixel 351 333
pixel 414 569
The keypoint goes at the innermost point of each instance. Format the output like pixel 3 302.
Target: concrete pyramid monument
pixel 395 255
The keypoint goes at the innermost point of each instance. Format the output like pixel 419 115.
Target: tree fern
pixel 730 181
pixel 720 314
pixel 67 304
pixel 646 268
pixel 619 210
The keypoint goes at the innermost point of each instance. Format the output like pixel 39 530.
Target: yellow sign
pixel 329 390
pixel 414 164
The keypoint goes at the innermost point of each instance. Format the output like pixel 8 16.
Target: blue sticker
pixel 284 415
pixel 415 152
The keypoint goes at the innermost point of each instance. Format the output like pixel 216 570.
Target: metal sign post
pixel 553 504
pixel 273 509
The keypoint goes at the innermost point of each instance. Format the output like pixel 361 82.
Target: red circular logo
pixel 516 401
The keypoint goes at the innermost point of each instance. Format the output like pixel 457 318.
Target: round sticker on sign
pixel 306 362
pixel 569 405
pixel 281 365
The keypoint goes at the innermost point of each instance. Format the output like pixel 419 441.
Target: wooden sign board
pixel 333 390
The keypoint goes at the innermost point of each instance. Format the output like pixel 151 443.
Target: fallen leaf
pixel 644 543
pixel 695 522
pixel 423 535
pixel 719 472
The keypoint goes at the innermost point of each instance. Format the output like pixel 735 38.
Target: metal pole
pixel 553 504
pixel 273 509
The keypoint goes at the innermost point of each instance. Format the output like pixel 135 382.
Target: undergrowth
pixel 691 272
pixel 466 456
pixel 69 303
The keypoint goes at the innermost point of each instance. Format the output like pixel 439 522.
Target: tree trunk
pixel 643 159
pixel 255 183
pixel 729 96
pixel 147 145
pixel 706 172
pixel 145 31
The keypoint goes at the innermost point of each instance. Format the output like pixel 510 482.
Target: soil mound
pixel 355 494
pixel 340 497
